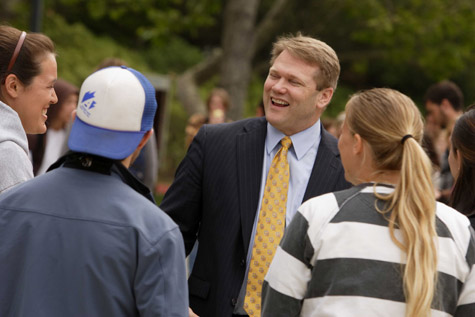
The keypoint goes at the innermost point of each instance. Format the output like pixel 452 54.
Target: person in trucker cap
pixel 86 238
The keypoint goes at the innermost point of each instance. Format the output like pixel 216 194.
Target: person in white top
pixel 28 71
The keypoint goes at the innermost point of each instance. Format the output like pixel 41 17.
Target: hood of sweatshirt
pixel 11 128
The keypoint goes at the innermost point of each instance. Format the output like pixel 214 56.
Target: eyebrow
pixel 290 76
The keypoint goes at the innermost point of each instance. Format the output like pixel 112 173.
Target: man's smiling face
pixel 291 98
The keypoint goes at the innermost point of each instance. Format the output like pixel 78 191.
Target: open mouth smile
pixel 279 102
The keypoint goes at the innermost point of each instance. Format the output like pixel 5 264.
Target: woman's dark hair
pixel 27 64
pixel 463 145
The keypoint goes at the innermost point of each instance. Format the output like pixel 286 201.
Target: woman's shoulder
pixel 452 218
pixel 318 211
pixel 454 225
pixel 332 202
pixel 15 166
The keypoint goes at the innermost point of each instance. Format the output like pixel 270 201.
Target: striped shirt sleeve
pixel 466 302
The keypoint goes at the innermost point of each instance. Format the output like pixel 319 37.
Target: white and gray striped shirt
pixel 337 259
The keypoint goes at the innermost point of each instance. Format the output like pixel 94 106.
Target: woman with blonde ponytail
pixel 383 247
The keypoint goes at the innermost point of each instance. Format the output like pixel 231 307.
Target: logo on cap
pixel 87 103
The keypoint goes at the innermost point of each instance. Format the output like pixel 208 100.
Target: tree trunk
pixel 237 85
pixel 188 82
pixel 237 39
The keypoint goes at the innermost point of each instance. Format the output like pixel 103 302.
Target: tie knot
pixel 286 142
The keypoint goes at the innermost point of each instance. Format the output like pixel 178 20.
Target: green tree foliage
pixel 140 22
pixel 175 56
pixel 417 41
pixel 403 44
pixel 80 51
pixel 144 33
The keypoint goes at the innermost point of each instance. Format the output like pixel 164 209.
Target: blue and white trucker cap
pixel 116 108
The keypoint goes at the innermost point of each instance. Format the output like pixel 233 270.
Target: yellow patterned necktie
pixel 270 227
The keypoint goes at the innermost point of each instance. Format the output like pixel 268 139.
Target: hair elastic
pixel 404 138
pixel 17 51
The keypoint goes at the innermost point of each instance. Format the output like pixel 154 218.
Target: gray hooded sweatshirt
pixel 15 166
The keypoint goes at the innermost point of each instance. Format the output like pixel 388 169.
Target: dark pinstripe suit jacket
pixel 214 198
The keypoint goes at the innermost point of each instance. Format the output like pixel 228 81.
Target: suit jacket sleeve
pixel 183 200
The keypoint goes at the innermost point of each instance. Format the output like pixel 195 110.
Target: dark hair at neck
pixel 463 142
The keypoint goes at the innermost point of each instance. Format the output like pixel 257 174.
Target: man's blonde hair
pixel 313 52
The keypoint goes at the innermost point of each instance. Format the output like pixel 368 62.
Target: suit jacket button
pixel 243 262
pixel 234 301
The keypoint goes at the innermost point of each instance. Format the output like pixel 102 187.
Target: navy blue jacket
pixel 214 199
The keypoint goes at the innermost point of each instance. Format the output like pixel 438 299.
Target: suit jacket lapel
pixel 250 151
pixel 322 179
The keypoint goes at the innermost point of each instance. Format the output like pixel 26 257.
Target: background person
pixel 429 147
pixel 28 72
pixel 223 181
pixel 86 238
pixel 444 104
pixel 462 164
pixel 384 247
pixel 217 106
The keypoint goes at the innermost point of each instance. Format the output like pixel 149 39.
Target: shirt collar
pixel 301 142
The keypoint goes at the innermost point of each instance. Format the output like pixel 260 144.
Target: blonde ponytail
pixel 412 206
pixel 391 124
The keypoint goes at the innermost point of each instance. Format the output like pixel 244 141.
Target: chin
pixel 273 119
pixel 38 130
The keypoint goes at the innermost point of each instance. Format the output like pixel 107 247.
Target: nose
pixel 54 97
pixel 279 86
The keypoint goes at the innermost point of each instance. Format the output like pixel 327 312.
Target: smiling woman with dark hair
pixel 28 72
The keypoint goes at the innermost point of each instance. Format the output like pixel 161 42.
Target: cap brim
pixel 112 144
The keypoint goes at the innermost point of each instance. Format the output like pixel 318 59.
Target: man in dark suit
pixel 217 192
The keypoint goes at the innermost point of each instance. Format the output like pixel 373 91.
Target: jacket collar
pixel 102 165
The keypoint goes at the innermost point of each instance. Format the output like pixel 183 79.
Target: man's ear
pixel 145 138
pixel 12 85
pixel 324 97
pixel 131 158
